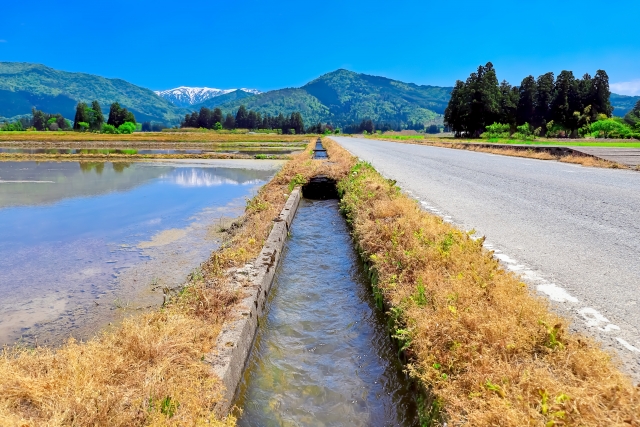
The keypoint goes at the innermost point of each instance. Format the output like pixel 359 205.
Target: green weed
pixel 297 180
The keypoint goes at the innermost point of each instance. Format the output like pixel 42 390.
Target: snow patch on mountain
pixel 185 96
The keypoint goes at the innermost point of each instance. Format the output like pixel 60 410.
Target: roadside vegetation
pixel 484 349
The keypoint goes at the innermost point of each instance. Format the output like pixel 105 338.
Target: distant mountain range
pixel 622 104
pixel 185 96
pixel 344 97
pixel 25 85
pixel 340 97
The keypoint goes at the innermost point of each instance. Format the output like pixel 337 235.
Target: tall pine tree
pixel 544 99
pixel 98 117
pixel 241 117
pixel 81 115
pixel 562 91
pixel 527 94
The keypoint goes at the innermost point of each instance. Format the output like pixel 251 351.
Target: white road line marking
pixel 39 182
pixel 506 258
pixel 594 319
pixel 556 293
pixel 628 346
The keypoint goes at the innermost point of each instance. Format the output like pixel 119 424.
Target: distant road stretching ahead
pixel 573 232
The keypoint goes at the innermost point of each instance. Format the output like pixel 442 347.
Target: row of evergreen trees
pixel 91 117
pixel 244 119
pixel 563 103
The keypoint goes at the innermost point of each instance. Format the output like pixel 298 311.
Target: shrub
pixel 524 133
pixel 610 128
pixel 107 128
pixel 127 128
pixel 53 126
pixel 12 127
pixel 83 126
pixel 217 126
pixel 497 130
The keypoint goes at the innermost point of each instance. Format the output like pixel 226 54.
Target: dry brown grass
pixel 529 154
pixel 490 352
pixel 148 136
pixel 148 371
pixel 151 369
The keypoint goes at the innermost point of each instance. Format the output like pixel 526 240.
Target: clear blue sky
pixel 274 44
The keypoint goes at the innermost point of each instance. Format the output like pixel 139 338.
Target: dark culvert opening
pixel 320 188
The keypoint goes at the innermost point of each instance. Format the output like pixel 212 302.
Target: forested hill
pixel 622 104
pixel 25 85
pixel 222 99
pixel 344 97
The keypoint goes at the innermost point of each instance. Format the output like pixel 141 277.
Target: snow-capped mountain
pixel 184 96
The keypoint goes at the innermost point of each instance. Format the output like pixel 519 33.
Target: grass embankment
pixel 152 369
pixel 118 157
pixel 149 136
pixel 513 152
pixel 490 352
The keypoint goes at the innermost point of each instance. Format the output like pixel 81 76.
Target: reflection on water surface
pixel 81 242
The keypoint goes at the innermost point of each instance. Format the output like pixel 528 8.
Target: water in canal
pixel 322 355
pixel 81 243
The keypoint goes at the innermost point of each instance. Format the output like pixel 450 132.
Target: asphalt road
pixel 573 232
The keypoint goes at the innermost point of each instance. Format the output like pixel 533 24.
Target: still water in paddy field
pixel 83 243
pixel 323 356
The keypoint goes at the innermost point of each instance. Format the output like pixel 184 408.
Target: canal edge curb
pixel 234 343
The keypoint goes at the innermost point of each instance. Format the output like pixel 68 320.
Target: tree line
pixel 120 120
pixel 243 119
pixel 560 105
pixel 87 118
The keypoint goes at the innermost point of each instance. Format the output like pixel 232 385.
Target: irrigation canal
pixel 322 355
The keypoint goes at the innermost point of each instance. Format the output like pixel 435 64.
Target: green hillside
pixel 283 101
pixel 222 99
pixel 344 97
pixel 24 85
pixel 622 104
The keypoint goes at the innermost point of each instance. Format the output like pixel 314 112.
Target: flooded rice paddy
pixel 323 356
pixel 81 243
